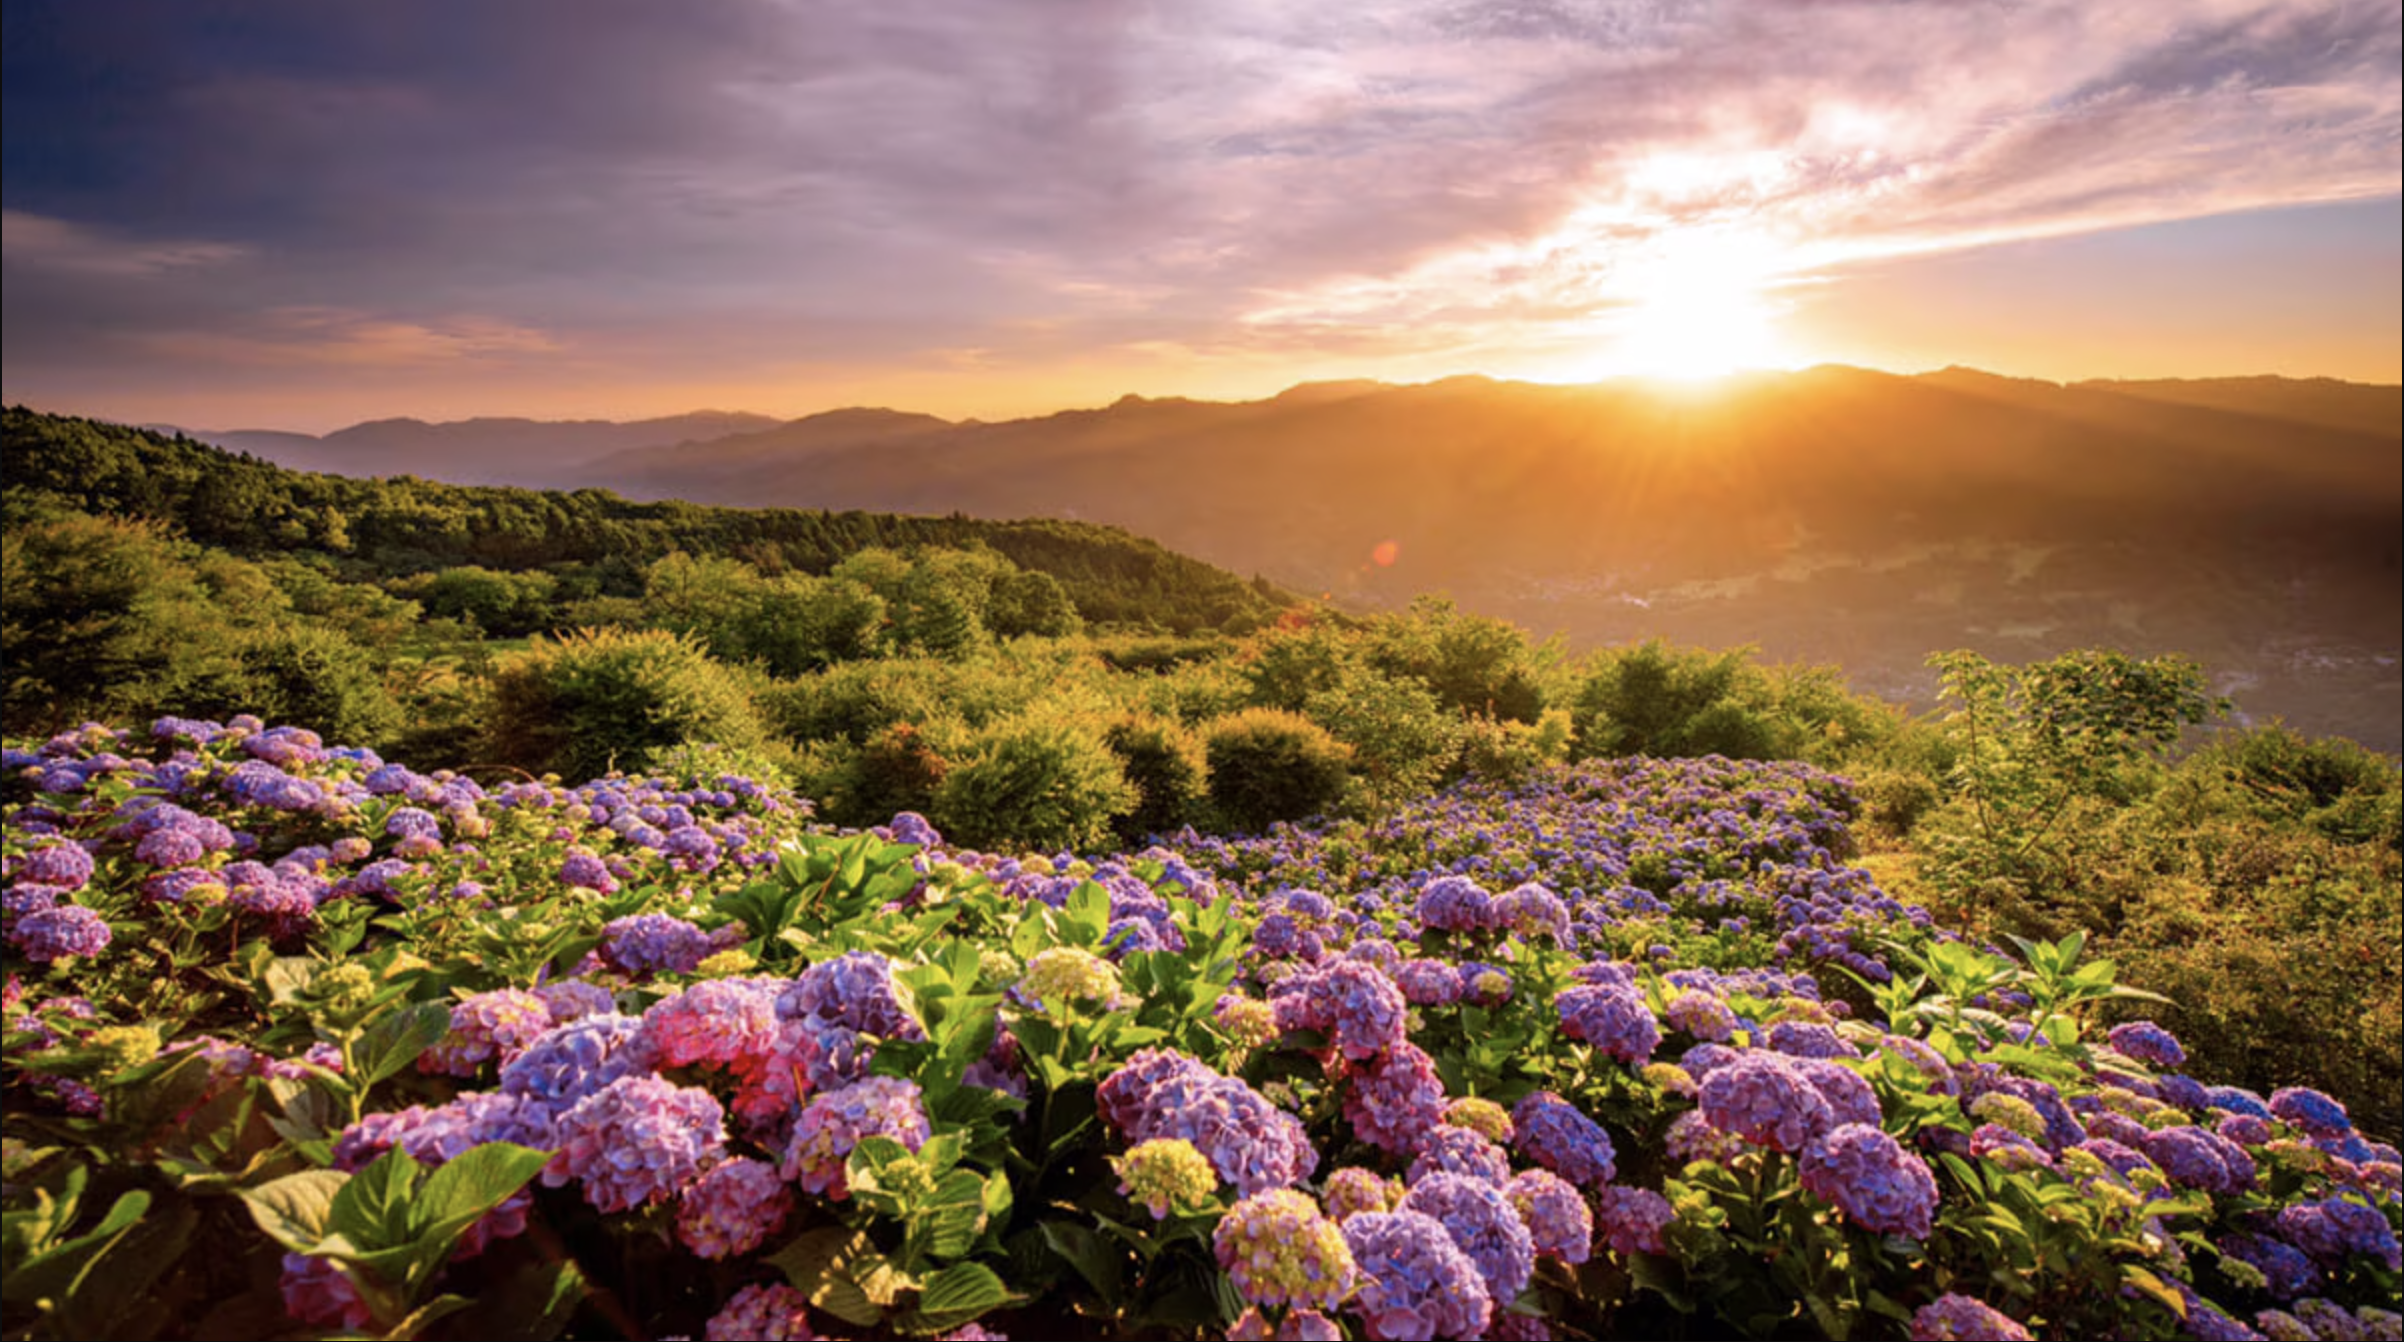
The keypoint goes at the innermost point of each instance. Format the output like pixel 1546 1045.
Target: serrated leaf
pixel 476 1181
pixel 373 1209
pixel 394 1042
pixel 296 1210
pixel 960 1293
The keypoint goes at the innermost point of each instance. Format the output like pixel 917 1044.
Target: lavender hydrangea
pixel 1961 1318
pixel 834 1121
pixel 1701 1015
pixel 484 1027
pixel 654 943
pixel 1351 1001
pixel 1764 1099
pixel 63 865
pixel 2286 1272
pixel 52 934
pixel 1429 982
pixel 1451 1150
pixel 1558 1220
pixel 1415 1283
pixel 1614 1020
pixel 2148 1043
pixel 1557 1135
pixel 1481 1220
pixel 635 1141
pixel 1455 904
pixel 1866 1174
pixel 2310 1111
pixel 732 1208
pixel 1394 1099
pixel 571 1061
pixel 1277 1249
pixel 854 990
pixel 762 1313
pixel 2334 1229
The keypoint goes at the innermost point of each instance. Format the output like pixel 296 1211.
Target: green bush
pixel 1034 782
pixel 1402 739
pixel 899 768
pixel 1268 765
pixel 1506 753
pixel 1166 764
pixel 305 676
pixel 599 699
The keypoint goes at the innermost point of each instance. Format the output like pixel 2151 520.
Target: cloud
pixel 760 184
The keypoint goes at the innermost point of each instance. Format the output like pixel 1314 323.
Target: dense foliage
pixel 300 1039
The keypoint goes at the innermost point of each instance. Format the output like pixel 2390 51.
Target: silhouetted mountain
pixel 1832 514
pixel 476 451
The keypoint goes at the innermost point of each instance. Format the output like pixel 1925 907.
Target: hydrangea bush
pixel 299 1039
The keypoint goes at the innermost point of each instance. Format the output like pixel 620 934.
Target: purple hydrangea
pixel 1277 1249
pixel 1455 904
pixel 498 1024
pixel 732 1208
pixel 1352 1002
pixel 854 990
pixel 571 1061
pixel 1615 1021
pixel 1429 982
pixel 1635 1220
pixel 2311 1111
pixel 56 933
pixel 654 943
pixel 834 1121
pixel 1555 1134
pixel 911 827
pixel 1483 1223
pixel 1879 1186
pixel 1701 1015
pixel 772 1312
pixel 1558 1220
pixel 1809 1039
pixel 635 1141
pixel 1849 1095
pixel 1451 1150
pixel 319 1293
pixel 64 865
pixel 587 872
pixel 1530 910
pixel 1415 1283
pixel 1765 1099
pixel 2334 1229
pixel 1960 1318
pixel 2201 1158
pixel 1353 1190
pixel 2286 1272
pixel 2149 1043
pixel 1395 1099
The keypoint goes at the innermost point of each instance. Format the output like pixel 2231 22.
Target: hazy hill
pixel 476 451
pixel 1833 514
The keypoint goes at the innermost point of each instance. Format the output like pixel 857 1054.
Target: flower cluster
pixel 1278 1249
pixel 732 1208
pixel 1613 1019
pixel 1415 1283
pixel 637 1140
pixel 834 1121
pixel 1165 1173
pixel 1879 1186
pixel 1557 1135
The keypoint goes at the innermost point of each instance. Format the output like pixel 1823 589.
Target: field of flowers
pixel 300 1042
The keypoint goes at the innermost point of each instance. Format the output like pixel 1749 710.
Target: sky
pixel 302 215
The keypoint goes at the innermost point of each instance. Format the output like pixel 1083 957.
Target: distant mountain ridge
pixel 484 451
pixel 1833 514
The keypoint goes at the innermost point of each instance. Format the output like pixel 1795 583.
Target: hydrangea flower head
pixel 1961 1318
pixel 1614 1020
pixel 488 1026
pixel 1451 1150
pixel 1879 1186
pixel 319 1293
pixel 1558 1220
pixel 2310 1110
pixel 1701 1015
pixel 834 1121
pixel 854 990
pixel 66 866
pixel 1069 974
pixel 772 1312
pixel 1351 1001
pixel 2148 1043
pixel 1278 1249
pixel 1455 904
pixel 1395 1098
pixel 63 932
pixel 654 943
pixel 1764 1099
pixel 636 1141
pixel 1415 1283
pixel 1353 1190
pixel 1557 1135
pixel 1480 1218
pixel 1481 1116
pixel 1635 1220
pixel 1249 1021
pixel 732 1208
pixel 1165 1172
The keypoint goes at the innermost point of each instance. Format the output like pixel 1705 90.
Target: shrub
pixel 1037 782
pixel 1402 739
pixel 599 699
pixel 1267 765
pixel 1165 763
pixel 1504 752
pixel 898 769
pixel 303 675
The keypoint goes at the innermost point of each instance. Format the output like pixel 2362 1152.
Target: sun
pixel 1696 304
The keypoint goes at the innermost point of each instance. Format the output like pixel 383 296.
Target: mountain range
pixel 1833 514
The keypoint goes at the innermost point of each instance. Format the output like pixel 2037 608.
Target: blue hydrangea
pixel 1415 1283
pixel 1765 1099
pixel 636 1141
pixel 2148 1043
pixel 1557 1135
pixel 1878 1185
pixel 1481 1220
pixel 2312 1112
pixel 1453 1150
pixel 1614 1020
pixel 654 943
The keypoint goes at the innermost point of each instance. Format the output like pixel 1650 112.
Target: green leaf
pixel 1082 1249
pixel 532 1304
pixel 373 1210
pixel 394 1042
pixel 476 1181
pixel 960 1293
pixel 56 1271
pixel 296 1211
pixel 425 1316
pixel 2155 1287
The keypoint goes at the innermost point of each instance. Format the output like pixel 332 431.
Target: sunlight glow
pixel 1700 305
